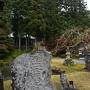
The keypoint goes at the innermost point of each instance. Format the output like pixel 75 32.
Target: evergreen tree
pixel 74 11
pixel 5 42
pixel 47 19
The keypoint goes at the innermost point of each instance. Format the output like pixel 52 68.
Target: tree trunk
pixel 19 41
pixel 26 42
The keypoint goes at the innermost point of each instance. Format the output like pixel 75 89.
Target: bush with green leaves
pixel 69 62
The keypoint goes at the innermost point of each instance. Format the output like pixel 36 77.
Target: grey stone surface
pixel 32 71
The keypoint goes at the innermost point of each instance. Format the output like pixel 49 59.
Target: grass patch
pixel 7 85
pixel 75 73
pixel 81 80
pixel 56 63
pixel 56 81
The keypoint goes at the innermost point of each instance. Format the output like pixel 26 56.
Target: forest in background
pixel 46 20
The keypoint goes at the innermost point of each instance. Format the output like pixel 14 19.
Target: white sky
pixel 88 4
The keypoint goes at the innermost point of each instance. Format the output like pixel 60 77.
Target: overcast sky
pixel 88 4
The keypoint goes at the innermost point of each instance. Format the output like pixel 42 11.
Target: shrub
pixel 68 62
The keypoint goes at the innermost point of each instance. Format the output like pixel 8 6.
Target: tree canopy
pixel 44 19
pixel 5 29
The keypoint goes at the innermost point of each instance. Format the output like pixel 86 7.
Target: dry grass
pixel 75 73
pixel 81 80
pixel 7 85
pixel 57 63
pixel 56 81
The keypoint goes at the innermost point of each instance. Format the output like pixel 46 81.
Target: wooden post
pixel 19 40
